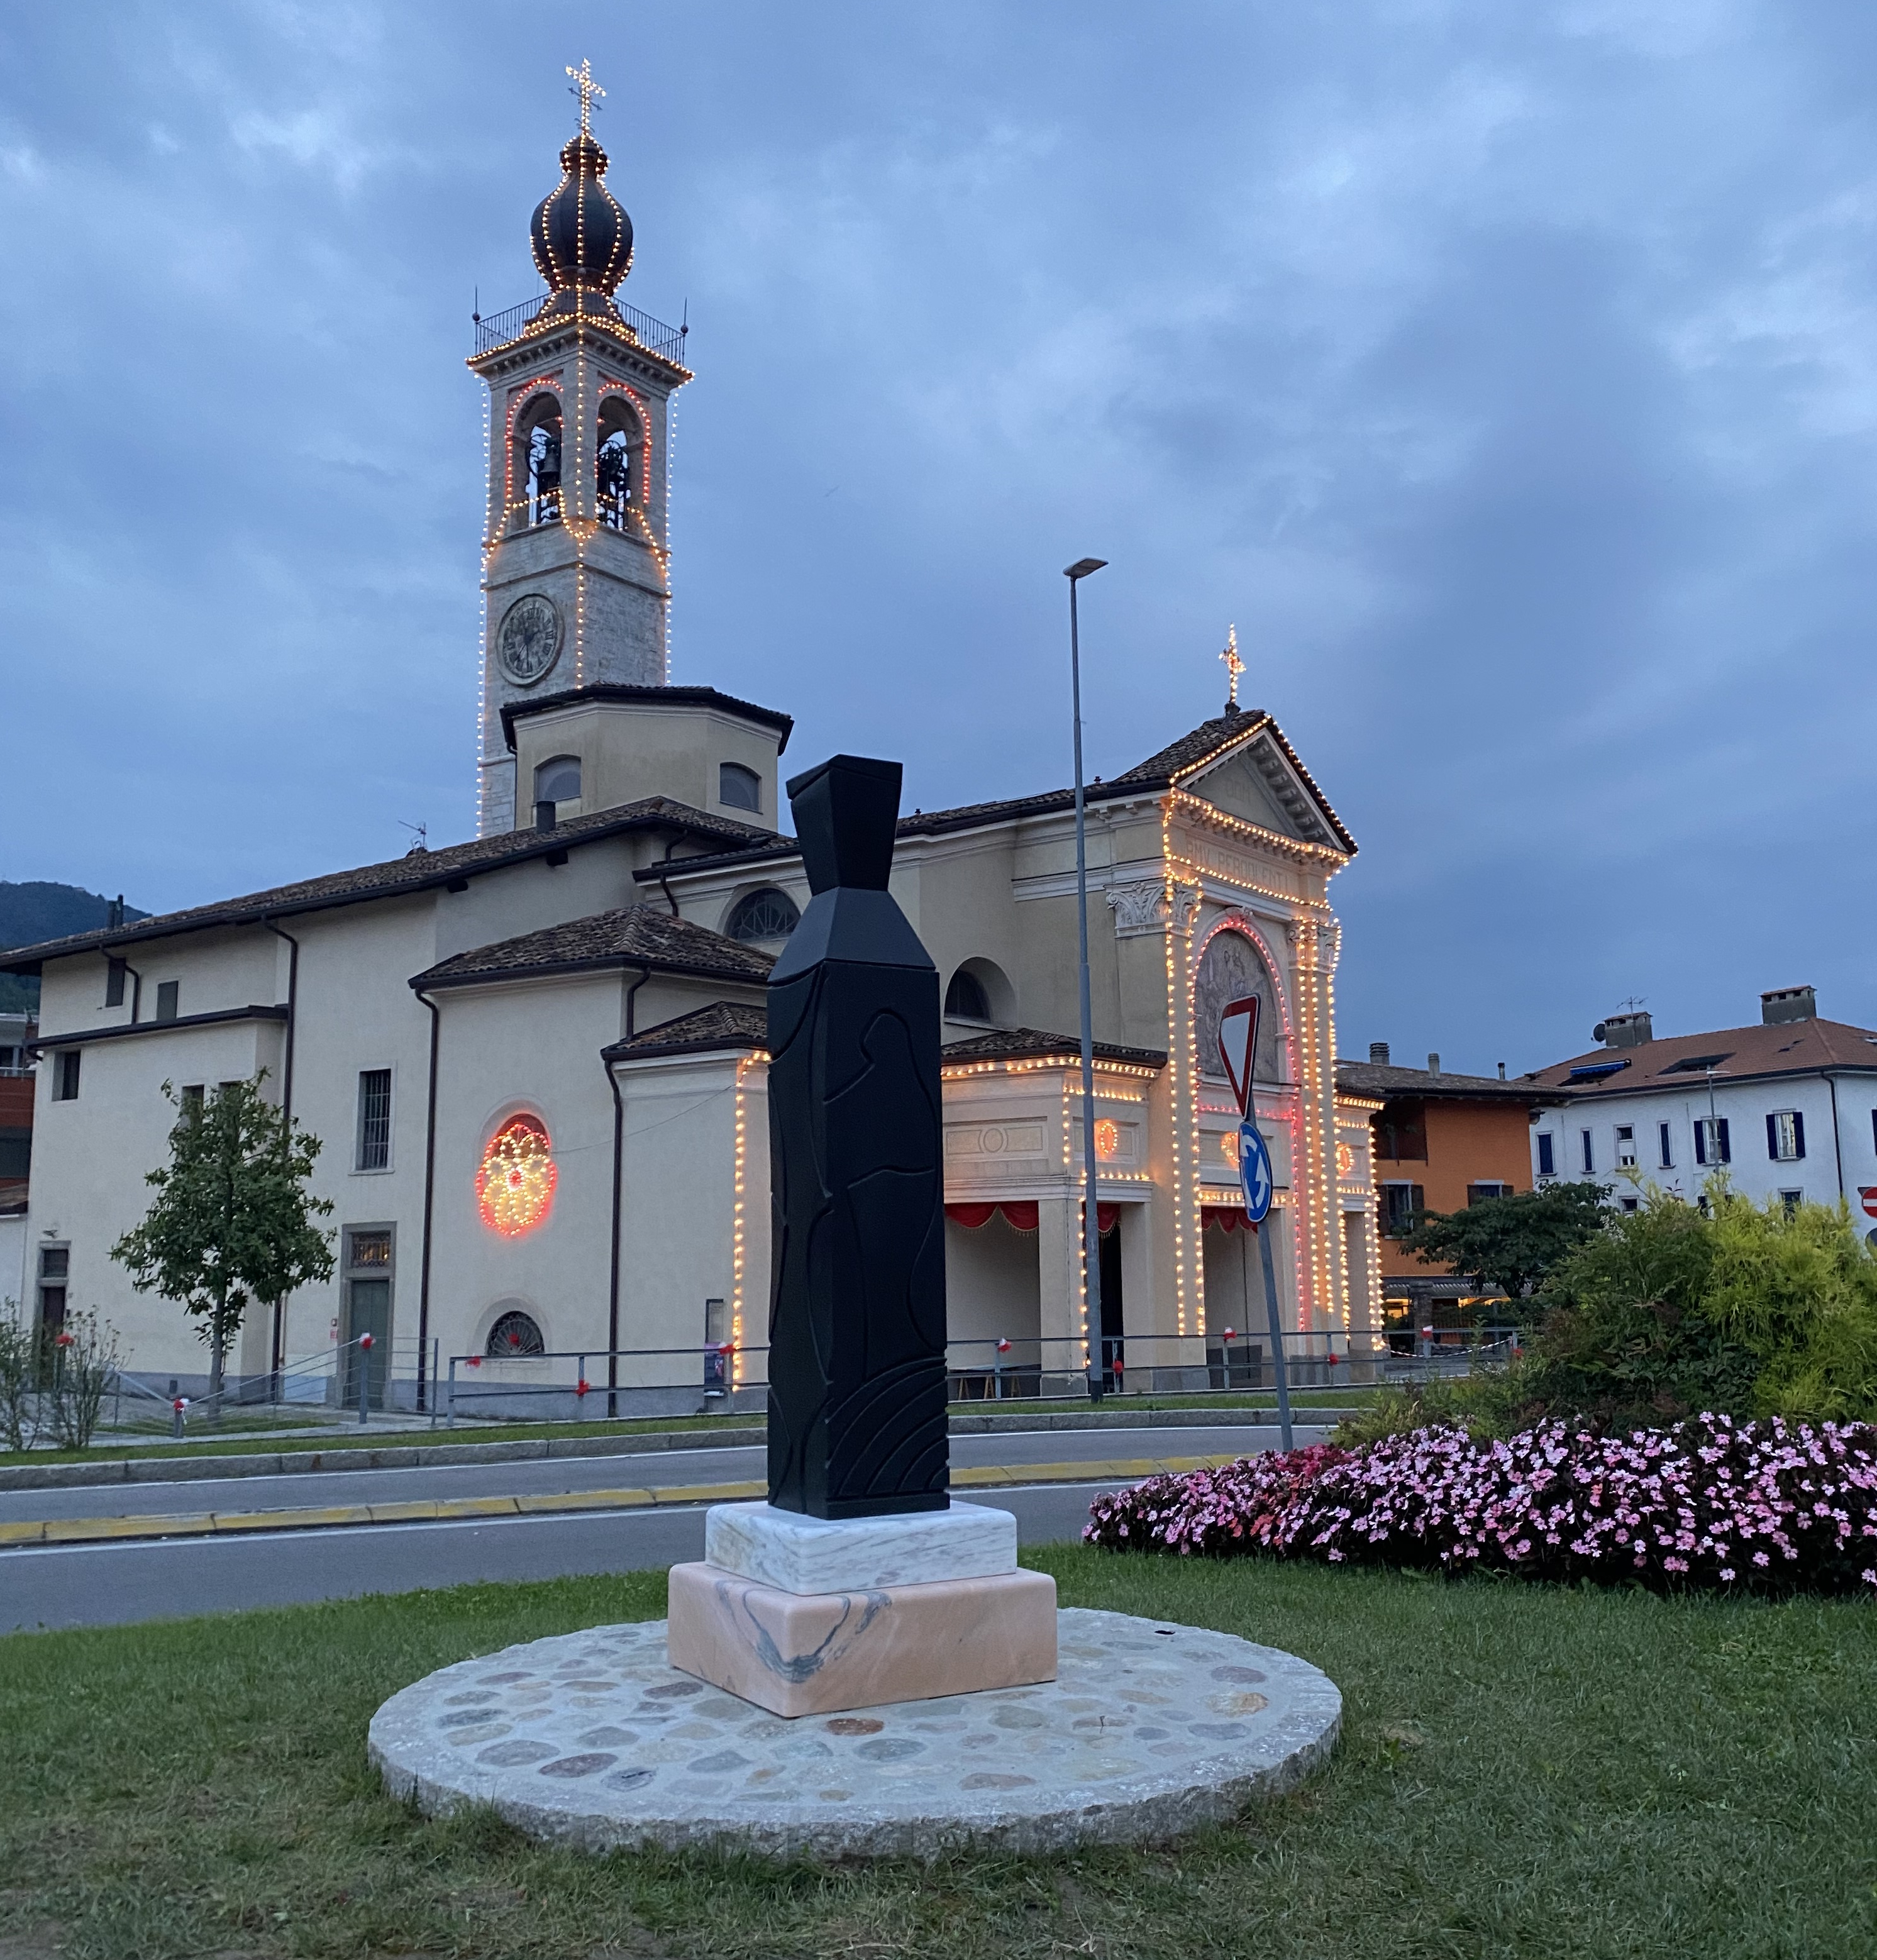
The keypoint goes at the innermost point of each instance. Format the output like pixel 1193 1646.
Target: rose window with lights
pixel 514 1187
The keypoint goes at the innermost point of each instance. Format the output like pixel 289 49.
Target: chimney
pixel 1378 1053
pixel 544 814
pixel 1788 1003
pixel 114 912
pixel 1625 1030
pixel 1502 1071
pixel 1433 1064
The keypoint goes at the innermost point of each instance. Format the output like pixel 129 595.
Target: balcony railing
pixel 654 336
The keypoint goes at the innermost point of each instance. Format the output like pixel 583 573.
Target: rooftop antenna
pixel 420 837
pixel 684 321
pixel 476 305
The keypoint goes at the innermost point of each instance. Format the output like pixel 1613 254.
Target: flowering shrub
pixel 1711 1503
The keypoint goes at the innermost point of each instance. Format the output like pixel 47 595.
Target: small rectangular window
pixel 1589 1150
pixel 55 1263
pixel 1631 1204
pixel 1792 1200
pixel 1548 1156
pixel 1626 1146
pixel 1665 1138
pixel 191 1095
pixel 1401 1203
pixel 1785 1136
pixel 114 974
pixel 1478 1194
pixel 374 1119
pixel 167 992
pixel 65 1076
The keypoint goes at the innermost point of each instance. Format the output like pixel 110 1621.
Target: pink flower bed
pixel 1711 1503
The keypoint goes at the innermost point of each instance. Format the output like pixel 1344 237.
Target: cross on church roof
pixel 586 88
pixel 1234 667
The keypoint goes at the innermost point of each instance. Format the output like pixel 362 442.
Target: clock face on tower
pixel 528 641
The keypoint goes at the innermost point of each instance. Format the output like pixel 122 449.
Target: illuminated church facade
pixel 535 1060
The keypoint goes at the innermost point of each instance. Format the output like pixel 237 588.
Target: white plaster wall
pixel 89 1156
pixel 990 1290
pixel 1745 1106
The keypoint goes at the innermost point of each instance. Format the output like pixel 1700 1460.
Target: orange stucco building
pixel 1443 1141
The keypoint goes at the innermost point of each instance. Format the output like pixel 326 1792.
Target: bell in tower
pixel 575 567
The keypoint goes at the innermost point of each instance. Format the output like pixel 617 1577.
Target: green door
pixel 367 1311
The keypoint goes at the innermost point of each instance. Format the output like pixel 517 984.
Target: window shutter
pixel 1726 1144
pixel 1773 1137
pixel 1700 1142
pixel 1418 1198
pixel 1799 1133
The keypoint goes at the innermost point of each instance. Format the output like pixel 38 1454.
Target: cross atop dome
pixel 586 88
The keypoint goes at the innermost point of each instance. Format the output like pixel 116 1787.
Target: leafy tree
pixel 1512 1242
pixel 232 1219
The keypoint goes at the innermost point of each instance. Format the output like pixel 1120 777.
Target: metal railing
pixel 655 336
pixel 589 1383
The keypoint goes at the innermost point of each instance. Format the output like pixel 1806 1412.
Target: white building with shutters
pixel 1787 1108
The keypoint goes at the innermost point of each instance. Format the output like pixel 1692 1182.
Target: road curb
pixel 27 1533
pixel 732 1435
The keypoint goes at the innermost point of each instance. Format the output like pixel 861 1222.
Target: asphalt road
pixel 105 1584
pixel 553 1475
pixel 113 1584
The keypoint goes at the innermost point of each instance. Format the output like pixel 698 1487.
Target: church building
pixel 534 1061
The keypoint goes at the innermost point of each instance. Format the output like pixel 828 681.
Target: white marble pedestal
pixel 813 1616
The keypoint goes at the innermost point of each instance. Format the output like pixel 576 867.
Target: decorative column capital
pixel 1139 907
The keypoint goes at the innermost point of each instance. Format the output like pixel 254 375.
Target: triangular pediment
pixel 1241 764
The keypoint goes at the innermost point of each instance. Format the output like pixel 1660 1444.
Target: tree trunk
pixel 218 1348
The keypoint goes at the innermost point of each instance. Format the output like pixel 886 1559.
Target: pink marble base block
pixel 818 1653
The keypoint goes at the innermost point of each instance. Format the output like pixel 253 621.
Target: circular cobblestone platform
pixel 590 1739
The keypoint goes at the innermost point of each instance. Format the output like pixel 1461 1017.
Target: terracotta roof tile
pixel 1787 1048
pixel 1031 1044
pixel 417 871
pixel 1375 1078
pixel 635 935
pixel 723 1024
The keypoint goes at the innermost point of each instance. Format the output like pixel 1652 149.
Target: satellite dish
pixel 1597 1032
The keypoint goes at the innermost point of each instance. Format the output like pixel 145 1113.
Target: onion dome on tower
pixel 581 236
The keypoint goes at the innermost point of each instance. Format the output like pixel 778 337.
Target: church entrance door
pixel 368 1282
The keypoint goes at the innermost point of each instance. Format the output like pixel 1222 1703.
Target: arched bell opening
pixel 536 462
pixel 619 475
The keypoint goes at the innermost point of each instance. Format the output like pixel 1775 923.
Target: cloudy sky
pixel 1507 373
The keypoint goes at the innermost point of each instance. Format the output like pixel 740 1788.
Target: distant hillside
pixel 31 912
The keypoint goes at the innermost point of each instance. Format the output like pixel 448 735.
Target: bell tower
pixel 575 567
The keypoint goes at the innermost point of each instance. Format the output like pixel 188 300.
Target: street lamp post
pixel 1091 1209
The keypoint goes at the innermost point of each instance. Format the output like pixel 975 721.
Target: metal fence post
pixel 449 1419
pixel 365 1376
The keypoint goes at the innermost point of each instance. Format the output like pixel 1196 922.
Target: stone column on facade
pixel 1059 1286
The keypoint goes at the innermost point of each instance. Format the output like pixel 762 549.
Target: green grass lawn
pixel 1525 1771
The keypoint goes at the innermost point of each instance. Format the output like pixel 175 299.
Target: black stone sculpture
pixel 857 1316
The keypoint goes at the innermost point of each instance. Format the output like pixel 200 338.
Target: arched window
pixel 740 788
pixel 618 470
pixel 979 991
pixel 966 999
pixel 558 780
pixel 762 915
pixel 515 1334
pixel 537 461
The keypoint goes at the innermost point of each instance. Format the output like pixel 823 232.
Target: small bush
pixel 1711 1503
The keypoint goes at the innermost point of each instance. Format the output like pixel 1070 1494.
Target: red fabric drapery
pixel 1019 1212
pixel 1227 1217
